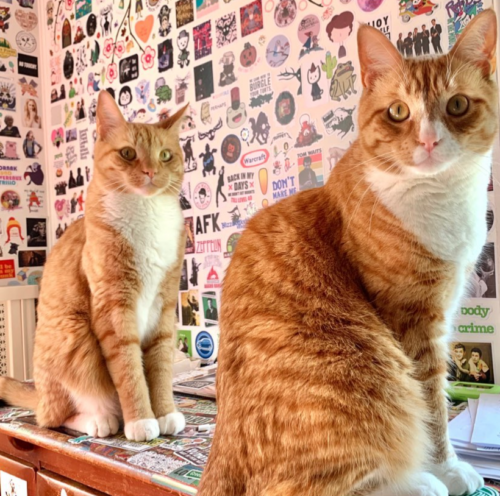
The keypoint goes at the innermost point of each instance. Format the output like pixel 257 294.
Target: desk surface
pixel 174 462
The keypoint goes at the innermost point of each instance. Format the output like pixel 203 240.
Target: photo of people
pixel 482 283
pixel 31 147
pixel 9 129
pixel 471 362
pixel 184 342
pixel 190 302
pixel 31 258
pixel 418 41
pixel 183 286
pixel 37 232
pixel 30 114
pixel 210 310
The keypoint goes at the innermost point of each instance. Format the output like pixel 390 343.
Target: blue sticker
pixel 204 344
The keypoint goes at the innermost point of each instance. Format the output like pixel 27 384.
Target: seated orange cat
pixel 104 342
pixel 338 300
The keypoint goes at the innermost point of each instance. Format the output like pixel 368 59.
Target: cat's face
pixel 137 158
pixel 421 116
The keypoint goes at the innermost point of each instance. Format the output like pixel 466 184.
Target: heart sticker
pixel 143 28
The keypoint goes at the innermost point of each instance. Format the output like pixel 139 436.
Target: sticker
pixel 83 8
pixel 142 92
pixel 163 92
pixel 37 232
pixel 190 164
pixel 342 84
pixel 210 310
pixel 5 49
pixel 278 50
pixel 190 240
pixel 182 43
pixel 184 345
pixel 4 18
pixel 129 69
pixel 248 56
pixel 204 344
pixel 153 4
pixel 204 81
pixel 459 14
pixel 10 129
pixel 28 87
pixel 10 151
pixel 261 91
pixel 188 474
pixel 202 196
pixel 251 18
pixel 106 20
pixel 144 28
pixel 482 280
pixel 471 362
pixel 339 29
pixel 231 148
pixel 7 96
pixel 66 33
pixel 31 258
pixel 260 128
pixel 27 3
pixel 184 13
pixel 227 75
pixel 308 133
pixel 165 26
pixel 165 56
pixel 196 456
pixel 225 29
pixel 382 24
pixel 79 35
pixel 26 42
pixel 236 114
pixel 190 307
pixel 27 20
pixel 57 137
pixel 210 134
pixel 156 462
pixel 339 120
pixel 91 25
pixel 11 484
pixel 369 5
pixel 232 241
pixel 27 65
pixel 255 158
pixel 81 65
pixel 68 65
pixel 285 13
pixel 34 174
pixel 202 37
pixel 208 160
pixel 10 200
pixel 284 109
pixel 310 169
pixel 335 154
pixel 308 32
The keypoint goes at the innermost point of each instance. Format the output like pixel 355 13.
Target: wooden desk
pixel 49 461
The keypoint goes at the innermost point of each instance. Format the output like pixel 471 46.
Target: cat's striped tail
pixel 17 393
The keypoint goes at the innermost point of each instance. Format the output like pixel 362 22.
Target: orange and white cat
pixel 338 301
pixel 104 344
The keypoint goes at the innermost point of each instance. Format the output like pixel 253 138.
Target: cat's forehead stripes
pixel 426 78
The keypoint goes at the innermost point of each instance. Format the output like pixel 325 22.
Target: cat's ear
pixel 377 55
pixel 108 115
pixel 172 122
pixel 477 43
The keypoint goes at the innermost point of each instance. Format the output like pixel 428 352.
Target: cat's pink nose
pixel 430 144
pixel 151 174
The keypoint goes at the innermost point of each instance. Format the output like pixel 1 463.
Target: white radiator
pixel 17 330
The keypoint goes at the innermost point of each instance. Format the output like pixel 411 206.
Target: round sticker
pixel 26 41
pixel 204 344
pixel 10 200
pixel 202 195
pixel 308 29
pixel 68 65
pixel 285 13
pixel 231 148
pixel 284 108
pixel 278 50
pixel 369 5
pixel 91 25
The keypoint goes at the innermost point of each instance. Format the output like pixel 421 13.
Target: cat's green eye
pixel 457 105
pixel 165 155
pixel 128 153
pixel 399 112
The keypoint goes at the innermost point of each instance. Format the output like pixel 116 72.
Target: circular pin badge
pixel 204 344
pixel 231 149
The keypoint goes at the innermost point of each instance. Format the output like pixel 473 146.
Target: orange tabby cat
pixel 104 343
pixel 338 300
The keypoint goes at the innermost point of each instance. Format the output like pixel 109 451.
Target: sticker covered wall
pixel 273 88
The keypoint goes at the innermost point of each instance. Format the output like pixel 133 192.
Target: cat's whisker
pixel 382 155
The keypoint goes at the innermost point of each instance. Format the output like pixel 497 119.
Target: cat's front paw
pixel 459 477
pixel 142 430
pixel 102 426
pixel 172 423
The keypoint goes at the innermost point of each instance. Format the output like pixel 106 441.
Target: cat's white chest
pixel 153 228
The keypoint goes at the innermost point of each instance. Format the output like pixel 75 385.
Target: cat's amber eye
pixel 457 105
pixel 165 155
pixel 128 153
pixel 399 112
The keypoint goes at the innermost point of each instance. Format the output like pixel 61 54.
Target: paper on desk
pixel 460 428
pixel 487 426
pixel 473 409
